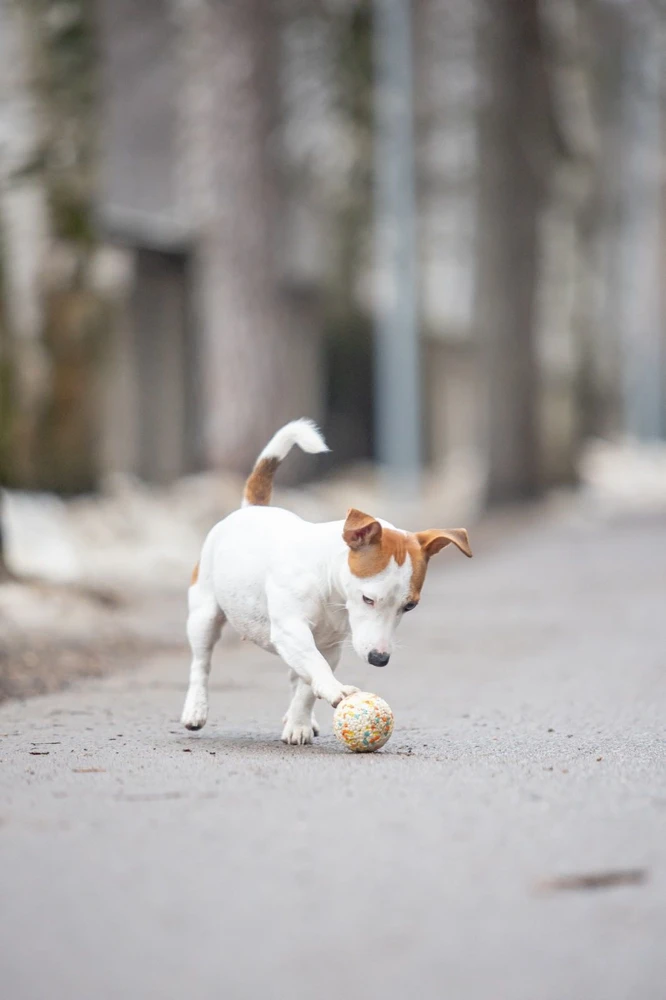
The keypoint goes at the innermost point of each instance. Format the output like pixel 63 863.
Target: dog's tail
pixel 259 487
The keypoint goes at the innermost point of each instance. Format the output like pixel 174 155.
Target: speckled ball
pixel 363 722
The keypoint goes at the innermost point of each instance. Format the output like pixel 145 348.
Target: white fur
pixel 303 433
pixel 285 583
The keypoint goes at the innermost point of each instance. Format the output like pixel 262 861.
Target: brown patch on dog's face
pixel 419 567
pixel 372 547
pixel 195 575
pixel 259 487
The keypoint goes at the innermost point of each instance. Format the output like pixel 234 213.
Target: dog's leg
pixel 299 721
pixel 294 642
pixel 332 657
pixel 204 625
pixel 299 724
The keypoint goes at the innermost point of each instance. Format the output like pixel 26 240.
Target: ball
pixel 363 722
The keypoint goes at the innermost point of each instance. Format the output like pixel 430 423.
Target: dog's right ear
pixel 361 529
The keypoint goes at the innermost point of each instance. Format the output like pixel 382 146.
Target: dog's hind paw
pixel 195 711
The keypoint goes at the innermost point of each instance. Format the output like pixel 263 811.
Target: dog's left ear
pixel 434 539
pixel 361 529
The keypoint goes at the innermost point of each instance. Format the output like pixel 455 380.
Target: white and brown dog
pixel 300 589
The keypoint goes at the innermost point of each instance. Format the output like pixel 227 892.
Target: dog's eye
pixel 368 601
pixel 409 606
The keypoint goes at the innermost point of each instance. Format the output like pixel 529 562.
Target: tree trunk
pixel 260 352
pixel 514 159
pixel 53 312
pixel 5 573
pixel 23 250
pixel 600 385
pixel 567 280
pixel 3 564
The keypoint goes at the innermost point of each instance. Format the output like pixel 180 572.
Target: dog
pixel 300 589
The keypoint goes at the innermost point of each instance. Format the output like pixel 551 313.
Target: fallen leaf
pixel 596 880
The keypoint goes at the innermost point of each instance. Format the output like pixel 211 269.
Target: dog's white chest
pixel 247 613
pixel 331 627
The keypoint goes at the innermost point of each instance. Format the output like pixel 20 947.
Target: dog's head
pixel 386 571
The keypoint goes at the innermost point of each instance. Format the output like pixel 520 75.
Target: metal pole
pixel 397 363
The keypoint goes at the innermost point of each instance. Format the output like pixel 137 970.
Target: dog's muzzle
pixel 378 659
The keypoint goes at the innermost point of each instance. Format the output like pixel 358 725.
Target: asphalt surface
pixel 139 861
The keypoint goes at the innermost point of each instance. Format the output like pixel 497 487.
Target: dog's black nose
pixel 378 659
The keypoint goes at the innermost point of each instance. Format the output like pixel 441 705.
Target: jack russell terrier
pixel 300 589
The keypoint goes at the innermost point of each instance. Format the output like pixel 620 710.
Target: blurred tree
pixel 260 335
pixel 350 374
pixel 23 213
pixel 639 249
pixel 4 572
pixel 516 146
pixel 3 565
pixel 567 318
pixel 601 368
pixel 54 313
pixel 446 92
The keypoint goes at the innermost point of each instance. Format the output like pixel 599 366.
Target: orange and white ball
pixel 363 722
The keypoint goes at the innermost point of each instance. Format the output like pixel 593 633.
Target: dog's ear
pixel 361 529
pixel 434 539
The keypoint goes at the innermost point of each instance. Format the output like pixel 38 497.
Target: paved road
pixel 138 861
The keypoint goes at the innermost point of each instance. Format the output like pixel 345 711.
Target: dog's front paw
pixel 195 711
pixel 315 726
pixel 334 693
pixel 298 734
pixel 347 690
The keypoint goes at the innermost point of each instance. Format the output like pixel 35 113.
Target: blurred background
pixel 436 228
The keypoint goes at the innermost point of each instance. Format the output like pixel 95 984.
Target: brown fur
pixel 434 539
pixel 259 487
pixel 195 575
pixel 372 559
pixel 372 547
